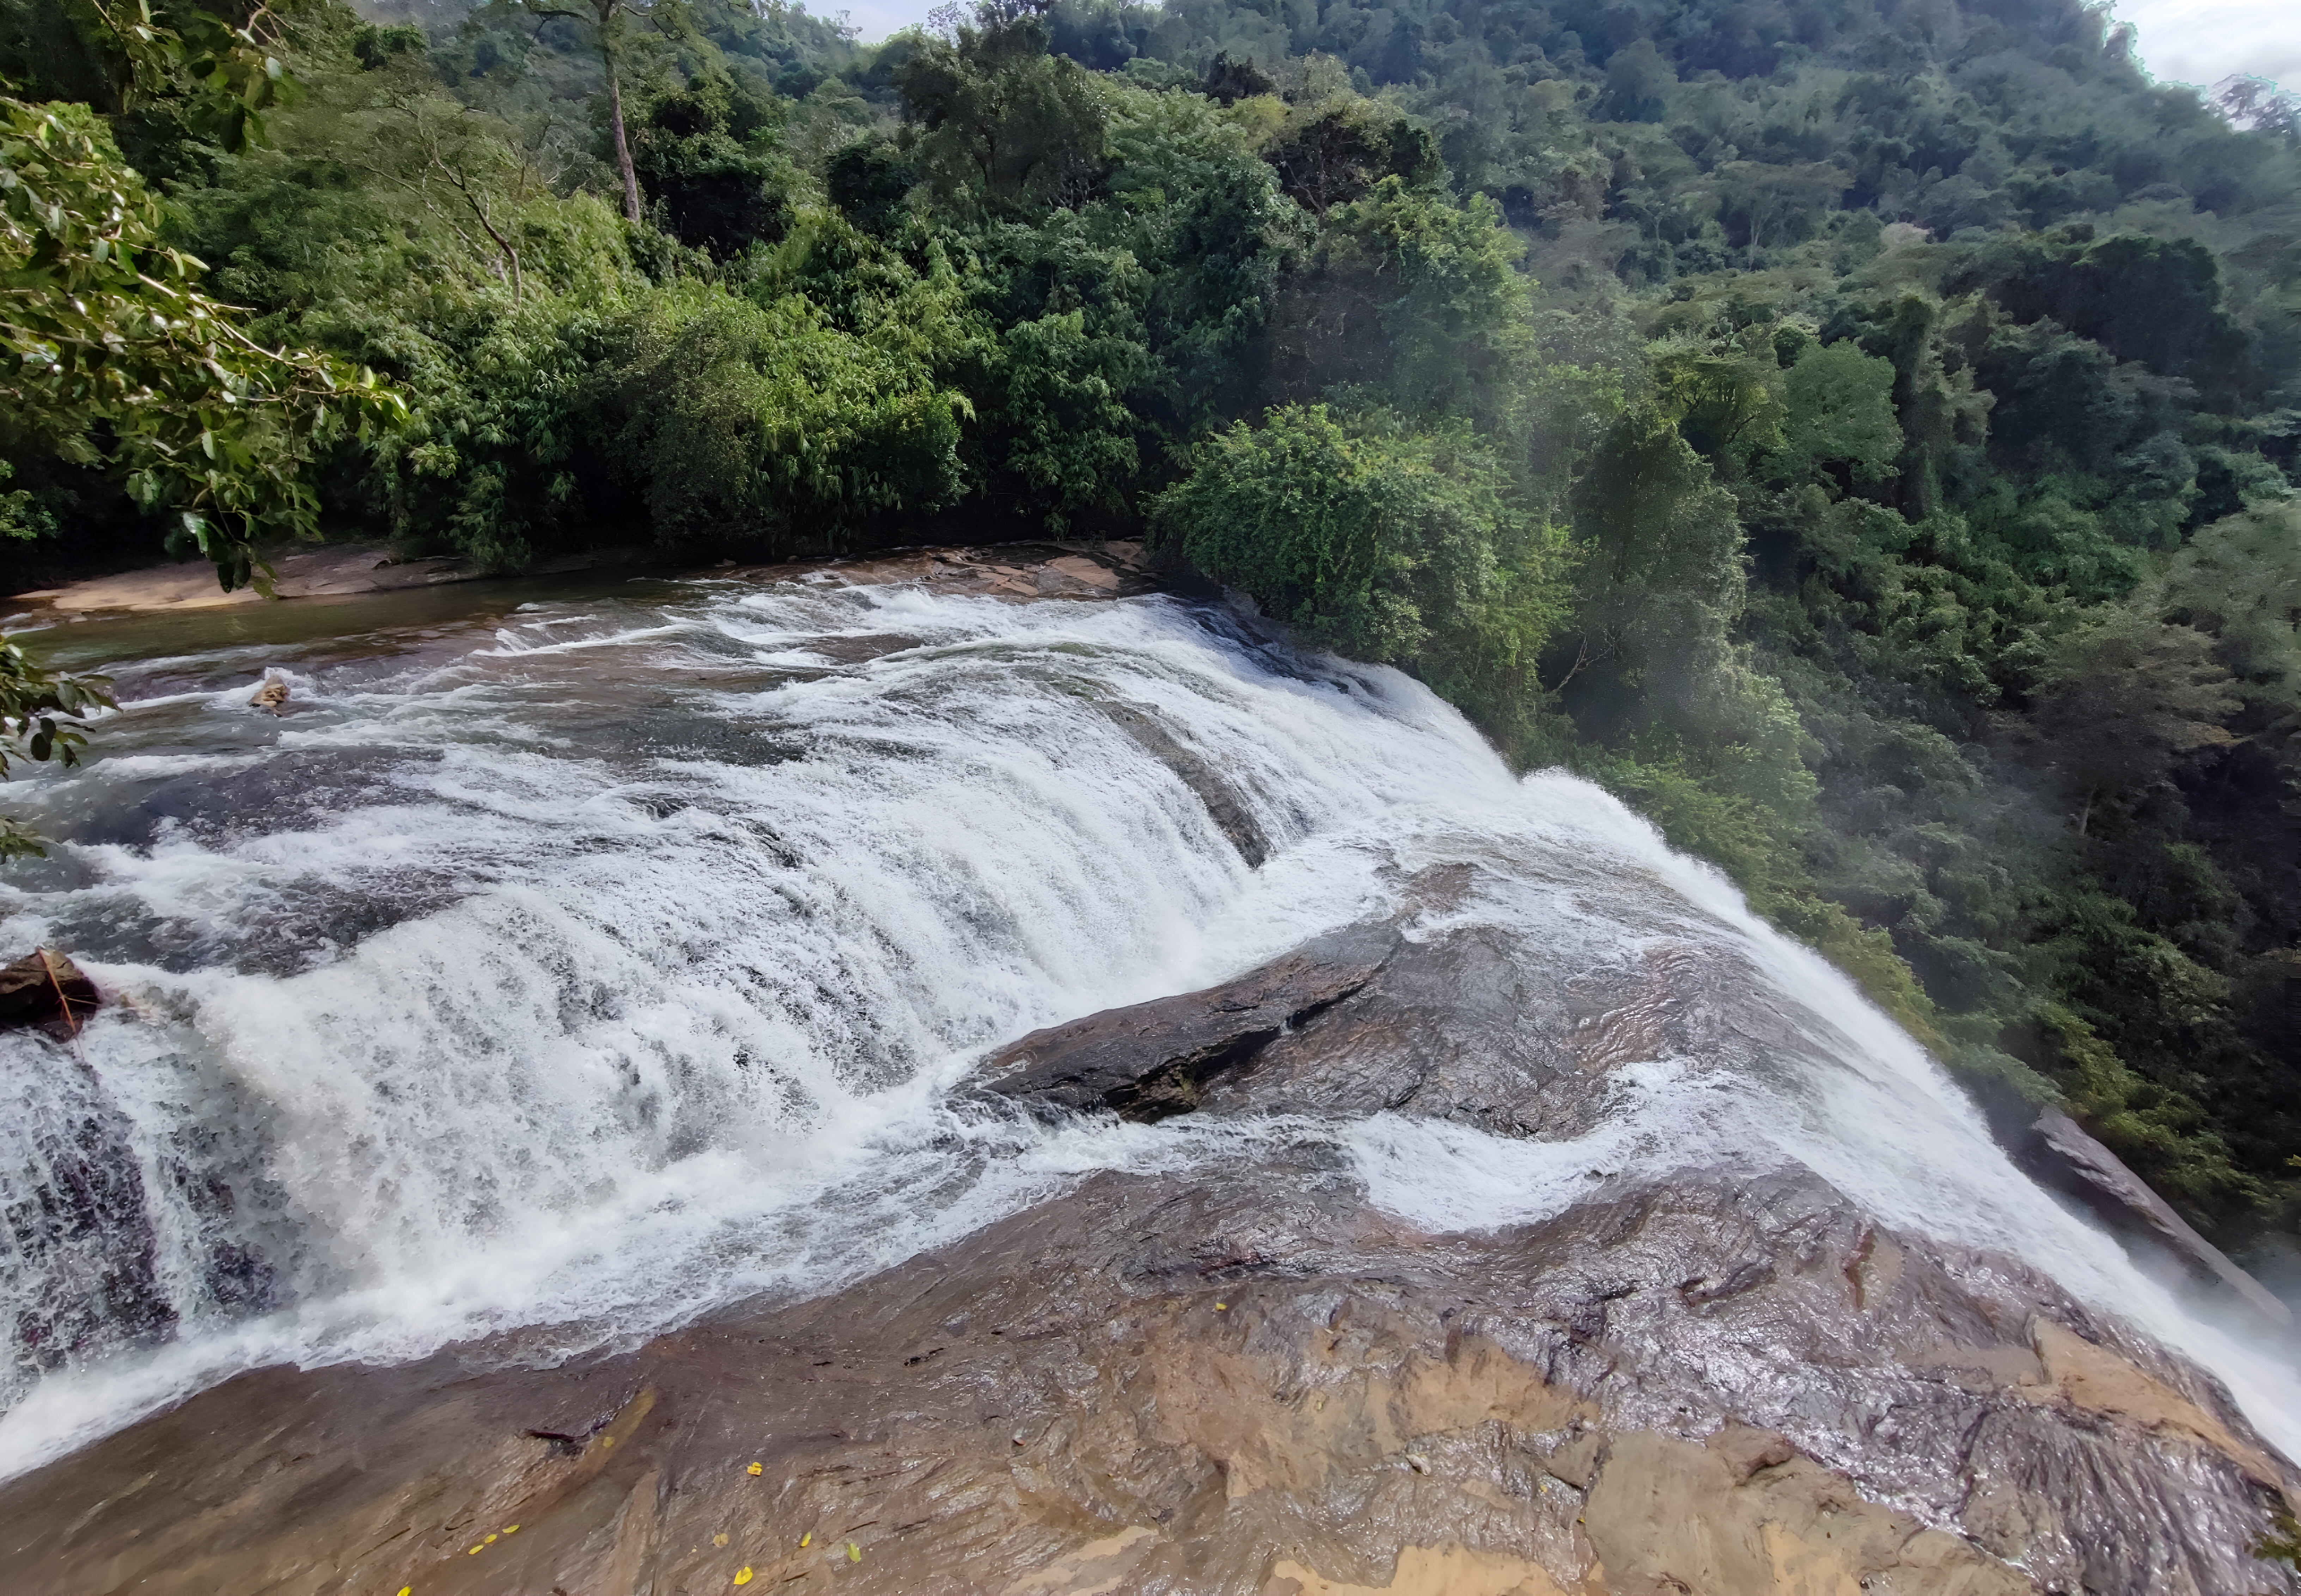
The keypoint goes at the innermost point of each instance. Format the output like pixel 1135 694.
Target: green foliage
pixel 2238 583
pixel 710 155
pixel 1380 540
pixel 764 422
pixel 1840 405
pixel 1335 152
pixel 1007 129
pixel 42 717
pixel 2282 1544
pixel 869 182
pixel 1659 582
pixel 2161 1133
pixel 2125 699
pixel 120 361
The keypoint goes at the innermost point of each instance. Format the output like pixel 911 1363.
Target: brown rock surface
pixel 2090 1169
pixel 1255 1385
pixel 45 988
pixel 1158 1059
pixel 1028 571
pixel 1247 1378
pixel 1002 570
pixel 309 573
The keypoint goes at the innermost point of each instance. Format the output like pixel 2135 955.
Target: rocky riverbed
pixel 1706 1368
pixel 1258 1382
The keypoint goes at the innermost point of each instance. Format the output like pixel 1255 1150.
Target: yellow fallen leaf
pixel 720 1539
pixel 754 1469
pixel 1222 1308
pixel 743 1576
pixel 407 1591
pixel 853 1552
pixel 511 1529
pixel 473 1552
pixel 803 1540
pixel 490 1541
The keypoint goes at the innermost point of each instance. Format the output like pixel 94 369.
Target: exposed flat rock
pixel 1247 1379
pixel 1109 570
pixel 1156 1059
pixel 1224 805
pixel 1257 1387
pixel 1017 570
pixel 192 585
pixel 2084 1165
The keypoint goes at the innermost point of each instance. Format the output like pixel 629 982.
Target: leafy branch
pixel 110 355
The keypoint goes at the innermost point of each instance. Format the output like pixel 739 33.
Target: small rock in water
pixel 271 695
pixel 46 989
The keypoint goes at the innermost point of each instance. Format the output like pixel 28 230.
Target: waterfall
pixel 578 971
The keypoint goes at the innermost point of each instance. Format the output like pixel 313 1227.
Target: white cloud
pixel 877 20
pixel 2205 41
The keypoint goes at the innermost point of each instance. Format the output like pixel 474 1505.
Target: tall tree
pixel 609 18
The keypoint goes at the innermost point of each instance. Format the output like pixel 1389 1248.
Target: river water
pixel 564 965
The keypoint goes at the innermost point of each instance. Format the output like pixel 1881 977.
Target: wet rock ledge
pixel 1255 1381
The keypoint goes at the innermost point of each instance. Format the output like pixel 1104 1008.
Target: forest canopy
pixel 1865 438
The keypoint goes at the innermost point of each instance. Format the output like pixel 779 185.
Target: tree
pixel 1332 152
pixel 460 169
pixel 713 162
pixel 745 422
pixel 1384 542
pixel 114 357
pixel 1775 201
pixel 216 75
pixel 1008 128
pixel 608 19
pixel 1840 405
pixel 1638 82
pixel 1659 554
pixel 2238 581
pixel 2124 699
pixel 1722 397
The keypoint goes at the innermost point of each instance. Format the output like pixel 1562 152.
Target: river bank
pixel 1021 569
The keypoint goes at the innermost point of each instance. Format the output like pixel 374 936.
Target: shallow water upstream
pixel 566 965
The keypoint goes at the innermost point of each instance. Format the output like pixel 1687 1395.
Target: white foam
pixel 690 946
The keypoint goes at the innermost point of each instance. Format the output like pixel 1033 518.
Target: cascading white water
pixel 581 974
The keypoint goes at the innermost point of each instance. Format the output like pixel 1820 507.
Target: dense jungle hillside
pixel 1861 433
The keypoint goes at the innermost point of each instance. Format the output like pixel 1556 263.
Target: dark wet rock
pixel 2074 1161
pixel 1159 1059
pixel 1452 1024
pixel 1223 804
pixel 1252 1386
pixel 46 989
pixel 286 788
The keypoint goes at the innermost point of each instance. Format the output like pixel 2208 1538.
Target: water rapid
pixel 565 974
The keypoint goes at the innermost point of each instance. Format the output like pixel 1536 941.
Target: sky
pixel 2205 41
pixel 2182 41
